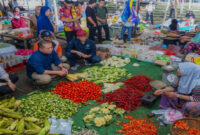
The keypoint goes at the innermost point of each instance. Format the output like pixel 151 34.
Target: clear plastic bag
pixel 60 126
pixel 168 116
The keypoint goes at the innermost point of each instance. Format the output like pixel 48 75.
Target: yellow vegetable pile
pixel 102 115
pixel 13 122
pixel 74 77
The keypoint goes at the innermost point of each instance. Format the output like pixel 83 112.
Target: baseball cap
pixel 46 34
pixel 81 33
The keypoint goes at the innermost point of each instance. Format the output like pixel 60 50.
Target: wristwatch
pixel 9 81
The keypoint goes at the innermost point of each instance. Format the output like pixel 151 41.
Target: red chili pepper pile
pixel 186 129
pixel 137 127
pixel 140 82
pixel 125 98
pixel 78 92
pixel 128 97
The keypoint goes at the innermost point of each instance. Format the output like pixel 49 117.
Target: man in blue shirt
pixel 81 48
pixel 44 64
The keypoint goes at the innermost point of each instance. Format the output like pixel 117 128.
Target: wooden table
pixel 25 40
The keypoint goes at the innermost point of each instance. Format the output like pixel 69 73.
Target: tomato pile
pixel 184 126
pixel 140 82
pixel 137 127
pixel 78 92
pixel 125 98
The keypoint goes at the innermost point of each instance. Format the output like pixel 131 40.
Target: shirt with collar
pixel 88 48
pixel 90 12
pixel 39 62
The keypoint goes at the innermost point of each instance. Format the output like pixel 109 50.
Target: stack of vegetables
pixel 78 92
pixel 75 77
pixel 185 129
pixel 102 115
pixel 137 127
pixel 110 87
pixel 140 82
pixel 105 74
pixel 115 62
pixel 125 98
pixel 129 97
pixel 13 122
pixel 45 105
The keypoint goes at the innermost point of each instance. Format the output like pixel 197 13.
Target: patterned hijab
pixel 190 77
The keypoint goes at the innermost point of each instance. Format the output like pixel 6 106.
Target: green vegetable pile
pixel 13 122
pixel 45 105
pixel 105 74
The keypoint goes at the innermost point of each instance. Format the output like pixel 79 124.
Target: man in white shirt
pixel 149 11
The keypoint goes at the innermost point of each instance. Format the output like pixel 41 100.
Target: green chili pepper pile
pixel 105 74
pixel 46 105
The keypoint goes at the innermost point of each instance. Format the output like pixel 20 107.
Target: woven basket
pixel 191 122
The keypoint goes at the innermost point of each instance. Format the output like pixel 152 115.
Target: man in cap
pixel 81 48
pixel 71 19
pixel 91 19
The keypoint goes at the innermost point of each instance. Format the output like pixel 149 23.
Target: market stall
pixel 113 97
pixel 15 37
pixel 11 58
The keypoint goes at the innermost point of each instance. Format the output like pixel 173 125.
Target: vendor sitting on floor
pixel 7 82
pixel 173 29
pixel 81 48
pixel 18 22
pixel 185 39
pixel 44 64
pixel 194 43
pixel 49 36
pixel 187 96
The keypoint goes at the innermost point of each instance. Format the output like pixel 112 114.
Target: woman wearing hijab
pixel 173 29
pixel 187 96
pixel 33 20
pixel 43 21
pixel 194 43
pixel 174 25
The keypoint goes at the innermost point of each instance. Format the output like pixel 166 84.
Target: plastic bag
pixel 168 116
pixel 60 126
pixel 172 115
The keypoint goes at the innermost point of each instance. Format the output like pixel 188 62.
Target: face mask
pixel 16 17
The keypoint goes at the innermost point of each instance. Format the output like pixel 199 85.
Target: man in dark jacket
pixel 81 48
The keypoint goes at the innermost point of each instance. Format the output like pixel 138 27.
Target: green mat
pixel 145 68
